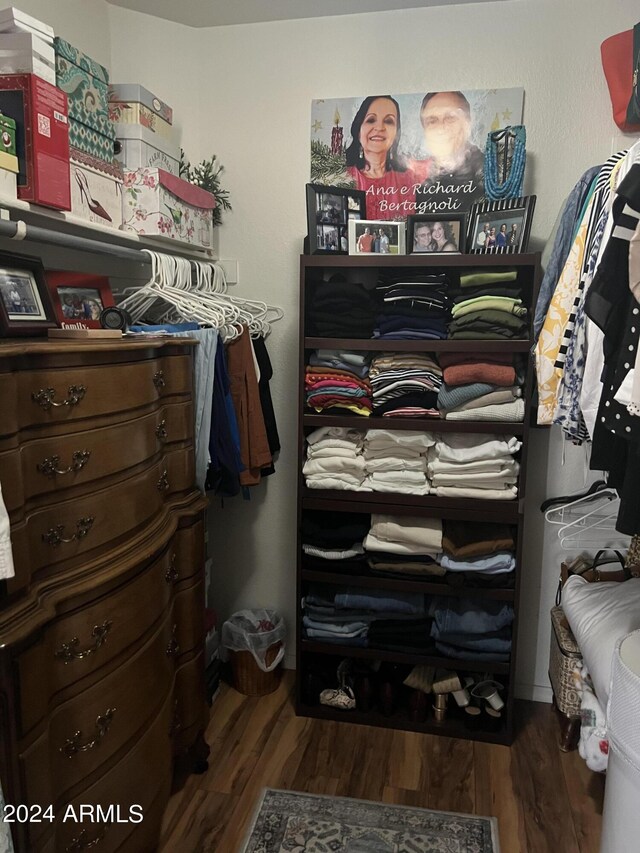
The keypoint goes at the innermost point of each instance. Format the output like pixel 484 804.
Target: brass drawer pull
pixel 161 431
pixel 54 535
pixel 163 482
pixel 44 397
pixel 172 574
pixel 158 379
pixel 173 648
pixel 73 745
pixel 83 842
pixel 69 651
pixel 49 465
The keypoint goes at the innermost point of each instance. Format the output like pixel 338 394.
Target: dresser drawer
pixel 71 394
pixel 86 731
pixel 138 779
pixel 188 613
pixel 75 646
pixel 48 466
pixel 189 551
pixel 190 706
pixel 50 537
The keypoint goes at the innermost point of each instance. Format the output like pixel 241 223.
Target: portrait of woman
pixel 443 237
pixel 373 160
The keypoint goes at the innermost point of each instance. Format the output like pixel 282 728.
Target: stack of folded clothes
pixel 344 614
pixel 336 537
pixel 488 307
pixel 466 465
pixel 471 628
pixel 412 309
pixel 340 309
pixel 481 388
pixel 405 385
pixel 338 380
pixel 334 459
pixel 404 536
pixel 396 461
pixel 479 553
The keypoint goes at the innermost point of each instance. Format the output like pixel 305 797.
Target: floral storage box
pixel 156 203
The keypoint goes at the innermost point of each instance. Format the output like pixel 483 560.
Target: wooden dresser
pixel 101 630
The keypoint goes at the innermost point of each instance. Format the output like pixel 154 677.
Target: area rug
pixel 291 822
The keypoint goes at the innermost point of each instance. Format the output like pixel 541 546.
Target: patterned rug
pixel 290 822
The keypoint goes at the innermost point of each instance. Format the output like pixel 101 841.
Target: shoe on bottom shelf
pixel 338 697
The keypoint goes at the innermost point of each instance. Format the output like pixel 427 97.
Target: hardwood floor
pixel 545 801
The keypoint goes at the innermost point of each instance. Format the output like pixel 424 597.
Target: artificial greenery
pixel 327 168
pixel 207 175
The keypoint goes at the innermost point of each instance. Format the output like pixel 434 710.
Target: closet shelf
pixel 427 505
pixel 377 345
pixel 410 658
pixel 422 424
pixel 466 261
pixel 453 726
pixel 372 581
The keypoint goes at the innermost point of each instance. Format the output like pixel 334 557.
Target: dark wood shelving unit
pixel 361 269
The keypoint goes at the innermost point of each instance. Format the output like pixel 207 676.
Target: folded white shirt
pixel 507 494
pixel 383 438
pixel 396 452
pixel 393 463
pixel 469 447
pixel 354 436
pixel 395 488
pixel 349 484
pixel 335 465
pixel 416 477
pixel 439 467
pixel 481 479
pixel 321 451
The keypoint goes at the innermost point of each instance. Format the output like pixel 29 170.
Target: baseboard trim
pixel 534 693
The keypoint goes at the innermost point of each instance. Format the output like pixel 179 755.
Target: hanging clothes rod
pixel 19 231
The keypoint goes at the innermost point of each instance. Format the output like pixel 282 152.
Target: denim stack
pixel 472 628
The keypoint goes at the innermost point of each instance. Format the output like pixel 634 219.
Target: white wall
pixel 244 93
pixel 83 23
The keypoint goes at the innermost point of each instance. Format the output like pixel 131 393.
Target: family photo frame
pixel 329 211
pixel 375 236
pixel 25 304
pixel 433 233
pixel 79 298
pixel 501 227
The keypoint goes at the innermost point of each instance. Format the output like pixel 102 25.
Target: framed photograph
pixel 329 210
pixel 432 233
pixel 501 227
pixel 376 236
pixel 79 298
pixel 25 305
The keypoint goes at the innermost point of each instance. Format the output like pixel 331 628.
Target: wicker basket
pixel 563 656
pixel 248 678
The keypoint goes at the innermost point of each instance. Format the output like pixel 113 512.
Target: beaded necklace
pixel 511 186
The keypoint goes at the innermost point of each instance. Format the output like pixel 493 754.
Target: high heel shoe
pixel 93 205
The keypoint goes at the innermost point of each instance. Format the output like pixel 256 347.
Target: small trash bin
pixel 254 643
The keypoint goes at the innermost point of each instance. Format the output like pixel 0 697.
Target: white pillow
pixel 600 614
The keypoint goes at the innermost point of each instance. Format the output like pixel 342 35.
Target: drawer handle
pixel 54 535
pixel 158 379
pixel 161 431
pixel 69 651
pixel 163 482
pixel 173 648
pixel 73 744
pixel 83 842
pixel 172 574
pixel 44 397
pixel 49 465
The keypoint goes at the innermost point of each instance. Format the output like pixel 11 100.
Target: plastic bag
pixel 255 631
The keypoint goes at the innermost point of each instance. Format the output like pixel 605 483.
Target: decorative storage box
pixel 96 189
pixel 130 112
pixel 134 93
pixel 86 85
pixel 8 185
pixel 25 53
pixel 563 657
pixel 154 202
pixel 12 20
pixel 139 148
pixel 42 138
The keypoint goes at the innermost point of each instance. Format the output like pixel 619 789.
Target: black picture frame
pixel 26 308
pixel 511 212
pixel 329 210
pixel 456 232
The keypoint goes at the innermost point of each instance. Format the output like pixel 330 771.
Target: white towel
pixel 385 438
pixel 507 494
pixel 336 465
pixel 354 436
pixel 439 467
pixel 326 481
pixel 393 463
pixel 469 447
